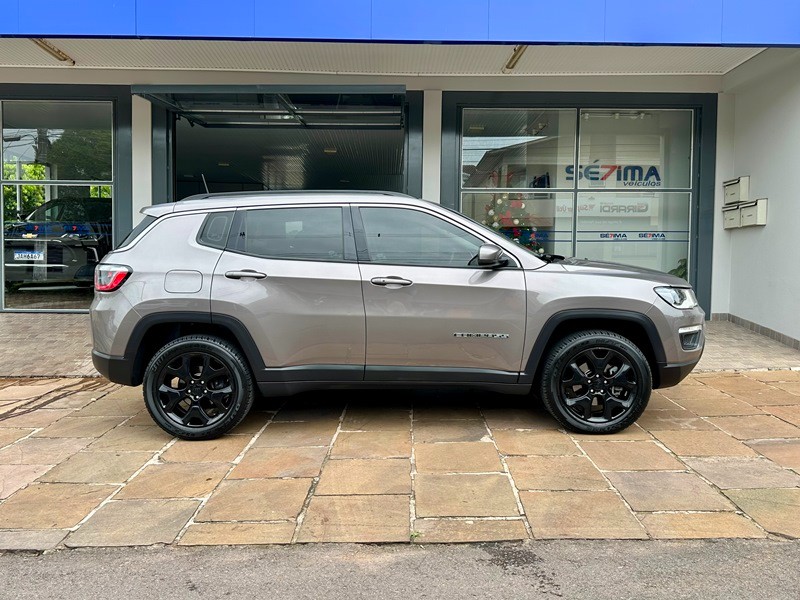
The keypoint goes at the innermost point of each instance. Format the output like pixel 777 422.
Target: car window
pixel 411 237
pixel 214 232
pixel 146 221
pixel 293 233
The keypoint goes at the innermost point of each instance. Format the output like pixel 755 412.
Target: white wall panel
pixel 765 272
pixel 142 156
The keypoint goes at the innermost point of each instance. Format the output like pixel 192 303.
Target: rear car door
pixel 290 275
pixel 430 313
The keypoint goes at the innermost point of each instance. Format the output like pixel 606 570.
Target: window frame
pixel 120 96
pixel 363 248
pixel 236 235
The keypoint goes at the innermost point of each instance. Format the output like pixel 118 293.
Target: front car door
pixel 431 315
pixel 290 275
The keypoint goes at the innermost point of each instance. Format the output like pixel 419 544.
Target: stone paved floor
pixel 45 345
pixel 733 347
pixel 81 464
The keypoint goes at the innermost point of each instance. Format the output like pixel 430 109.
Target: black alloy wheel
pixel 198 387
pixel 596 382
pixel 598 385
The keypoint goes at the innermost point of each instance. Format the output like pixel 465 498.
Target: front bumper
pixel 677 361
pixel 673 374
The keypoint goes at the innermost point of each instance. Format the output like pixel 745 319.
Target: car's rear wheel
pixel 596 382
pixel 198 387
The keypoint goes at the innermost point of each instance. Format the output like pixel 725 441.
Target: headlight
pixel 682 298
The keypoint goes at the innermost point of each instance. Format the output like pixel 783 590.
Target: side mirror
pixel 491 256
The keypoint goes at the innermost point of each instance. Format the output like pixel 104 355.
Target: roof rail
pixel 285 192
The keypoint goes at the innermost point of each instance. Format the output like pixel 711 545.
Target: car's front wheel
pixel 198 387
pixel 595 382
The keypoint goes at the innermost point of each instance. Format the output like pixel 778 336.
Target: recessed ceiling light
pixel 344 181
pixel 476 127
pixel 330 150
pixel 223 164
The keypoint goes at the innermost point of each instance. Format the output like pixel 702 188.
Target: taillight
pixel 108 278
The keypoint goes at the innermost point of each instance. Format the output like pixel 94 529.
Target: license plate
pixel 28 255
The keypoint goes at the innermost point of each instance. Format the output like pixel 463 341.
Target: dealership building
pixel 658 133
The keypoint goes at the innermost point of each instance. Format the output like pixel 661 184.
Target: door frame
pixel 163 126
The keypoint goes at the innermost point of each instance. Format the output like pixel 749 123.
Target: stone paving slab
pixel 82 464
pixel 134 523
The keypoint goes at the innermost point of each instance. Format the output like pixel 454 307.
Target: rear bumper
pixel 114 368
pixel 673 374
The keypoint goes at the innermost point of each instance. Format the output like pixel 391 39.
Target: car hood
pixel 579 265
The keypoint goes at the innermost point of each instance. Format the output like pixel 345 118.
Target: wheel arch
pixel 635 326
pixel 157 329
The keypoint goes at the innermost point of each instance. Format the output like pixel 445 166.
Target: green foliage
pixel 77 155
pixel 32 195
pixel 82 154
pixel 680 270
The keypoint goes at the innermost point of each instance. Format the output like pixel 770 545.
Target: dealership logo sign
pixel 654 235
pixel 613 236
pixel 639 207
pixel 627 175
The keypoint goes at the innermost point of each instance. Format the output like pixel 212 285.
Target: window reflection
pixel 620 202
pixel 55 234
pixel 521 148
pixel 635 149
pixel 57 141
pixel 648 230
pixel 539 221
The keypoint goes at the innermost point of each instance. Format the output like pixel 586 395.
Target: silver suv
pixel 217 296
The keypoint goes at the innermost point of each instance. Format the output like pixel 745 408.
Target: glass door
pixel 57 181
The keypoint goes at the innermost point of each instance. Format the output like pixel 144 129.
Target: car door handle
pixel 245 273
pixel 390 281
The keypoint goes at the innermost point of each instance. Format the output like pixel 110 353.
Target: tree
pixel 32 195
pixel 506 213
pixel 82 155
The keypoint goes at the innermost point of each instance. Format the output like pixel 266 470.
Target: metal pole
pixel 19 187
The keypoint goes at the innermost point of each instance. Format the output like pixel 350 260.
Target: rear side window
pixel 293 233
pixel 215 230
pixel 143 224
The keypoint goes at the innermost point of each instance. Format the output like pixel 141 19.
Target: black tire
pixel 595 382
pixel 198 387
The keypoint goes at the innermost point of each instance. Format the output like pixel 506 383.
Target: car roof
pixel 244 199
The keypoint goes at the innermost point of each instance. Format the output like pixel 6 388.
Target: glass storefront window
pixel 517 148
pixel 635 149
pixel 57 141
pixel 57 186
pixel 538 221
pixel 627 200
pixel 644 229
